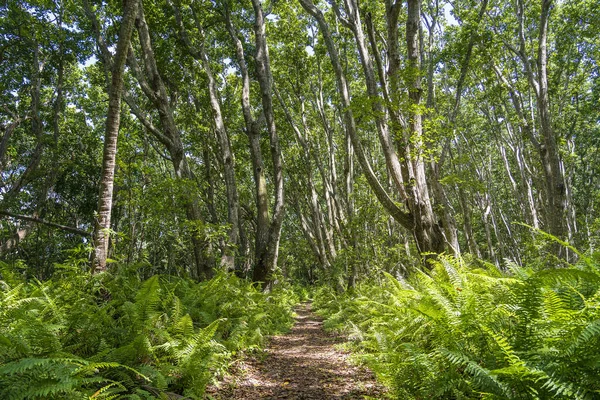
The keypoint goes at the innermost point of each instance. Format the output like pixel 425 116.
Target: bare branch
pixel 44 222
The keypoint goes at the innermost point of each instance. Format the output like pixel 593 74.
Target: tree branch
pixel 44 222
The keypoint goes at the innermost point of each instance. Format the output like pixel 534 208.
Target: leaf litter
pixel 302 364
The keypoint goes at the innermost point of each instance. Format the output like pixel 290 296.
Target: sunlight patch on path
pixel 303 364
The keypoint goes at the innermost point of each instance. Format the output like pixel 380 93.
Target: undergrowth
pixel 467 330
pixel 116 336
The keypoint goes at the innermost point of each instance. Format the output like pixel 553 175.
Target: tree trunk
pixel 427 232
pixel 156 92
pixel 227 157
pixel 555 182
pixel 266 263
pixel 420 219
pixel 113 117
pixel 350 124
pixel 268 230
pixel 557 208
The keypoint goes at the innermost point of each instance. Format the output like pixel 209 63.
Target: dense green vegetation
pixel 468 330
pixel 73 337
pixel 173 173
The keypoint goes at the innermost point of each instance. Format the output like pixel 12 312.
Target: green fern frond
pixel 455 278
pixel 184 326
pixel 26 364
pixel 95 367
pixel 565 389
pixel 148 297
pixel 107 392
pixel 509 354
pixel 589 333
pixel 559 276
pixel 555 308
pixel 483 378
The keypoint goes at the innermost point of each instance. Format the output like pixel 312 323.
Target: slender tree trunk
pixel 555 181
pixel 420 219
pixel 350 204
pixel 384 198
pixel 37 125
pixel 317 236
pixel 526 130
pixel 355 25
pixel 427 232
pixel 557 208
pixel 268 229
pixel 156 92
pixel 227 157
pixel 443 205
pixel 253 132
pixel 101 236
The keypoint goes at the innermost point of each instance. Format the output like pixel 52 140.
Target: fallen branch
pixel 43 222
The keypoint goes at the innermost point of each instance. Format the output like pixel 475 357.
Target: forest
pixel 183 183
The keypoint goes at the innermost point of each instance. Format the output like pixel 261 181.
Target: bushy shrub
pixel 468 331
pixel 115 336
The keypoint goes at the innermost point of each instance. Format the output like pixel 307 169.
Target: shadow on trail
pixel 303 364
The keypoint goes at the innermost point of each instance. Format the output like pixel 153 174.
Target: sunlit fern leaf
pixel 148 298
pixel 555 308
pixel 455 278
pixel 107 392
pixel 589 333
pixel 518 271
pixel 483 378
pixel 95 367
pixel 567 389
pixel 176 310
pixel 562 275
pixel 8 294
pixel 201 339
pixel 184 326
pixel 438 305
pixel 508 353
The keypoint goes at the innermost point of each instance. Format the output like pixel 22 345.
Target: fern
pixel 483 379
pixel 589 333
pixel 116 336
pixel 468 330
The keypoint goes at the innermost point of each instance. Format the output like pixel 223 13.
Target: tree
pixel 268 229
pixel 227 156
pixel 113 117
pixel 409 178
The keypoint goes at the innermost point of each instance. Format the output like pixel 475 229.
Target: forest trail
pixel 302 364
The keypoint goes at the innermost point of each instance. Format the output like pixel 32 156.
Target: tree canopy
pixel 313 142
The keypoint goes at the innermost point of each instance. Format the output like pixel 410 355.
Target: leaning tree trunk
pixel 101 237
pixel 384 198
pixel 268 230
pixel 419 219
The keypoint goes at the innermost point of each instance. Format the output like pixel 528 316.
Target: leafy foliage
pixel 118 336
pixel 469 330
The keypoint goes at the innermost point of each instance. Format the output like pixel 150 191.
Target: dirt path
pixel 302 364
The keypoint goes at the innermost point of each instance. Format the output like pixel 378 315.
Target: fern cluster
pixel 116 336
pixel 468 331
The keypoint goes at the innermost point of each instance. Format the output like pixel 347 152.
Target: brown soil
pixel 303 364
